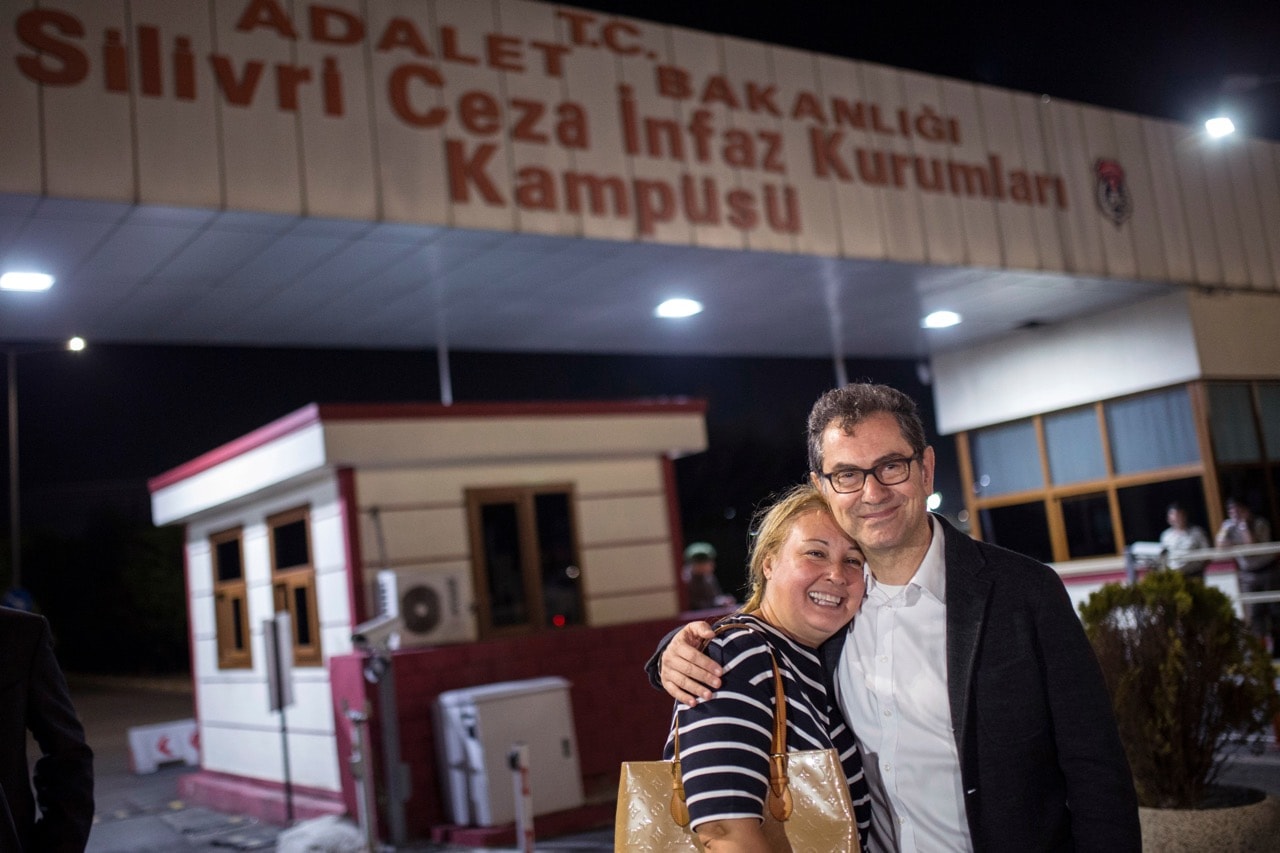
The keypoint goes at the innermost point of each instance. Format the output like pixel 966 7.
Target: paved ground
pixel 141 813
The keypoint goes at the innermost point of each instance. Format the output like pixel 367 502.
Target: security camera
pixel 380 632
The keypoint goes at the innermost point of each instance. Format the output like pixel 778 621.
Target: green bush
pixel 1185 676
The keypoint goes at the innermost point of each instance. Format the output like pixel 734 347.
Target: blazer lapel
pixel 967 592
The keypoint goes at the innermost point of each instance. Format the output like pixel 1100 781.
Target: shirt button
pixel 884 658
pixel 888 713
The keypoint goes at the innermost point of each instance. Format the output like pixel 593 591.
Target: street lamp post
pixel 76 344
pixel 15 547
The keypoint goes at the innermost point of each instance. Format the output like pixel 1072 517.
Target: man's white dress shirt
pixel 892 687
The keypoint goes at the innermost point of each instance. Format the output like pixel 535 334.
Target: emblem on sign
pixel 1111 192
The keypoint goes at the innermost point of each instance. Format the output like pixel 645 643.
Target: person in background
pixel 976 699
pixel 806 582
pixel 700 574
pixel 1257 573
pixel 1180 536
pixel 34 697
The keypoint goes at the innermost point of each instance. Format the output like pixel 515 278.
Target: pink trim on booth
pixel 291 422
pixel 348 689
pixel 256 798
pixel 383 411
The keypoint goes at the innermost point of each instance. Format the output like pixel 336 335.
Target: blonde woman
pixel 807 582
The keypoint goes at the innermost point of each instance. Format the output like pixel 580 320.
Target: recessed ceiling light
pixel 31 281
pixel 940 320
pixel 678 308
pixel 1219 127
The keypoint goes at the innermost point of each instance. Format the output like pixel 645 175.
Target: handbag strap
pixel 779 798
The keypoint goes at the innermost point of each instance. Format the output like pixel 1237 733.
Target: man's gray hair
pixel 849 406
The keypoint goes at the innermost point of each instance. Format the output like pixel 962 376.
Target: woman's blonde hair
pixel 771 525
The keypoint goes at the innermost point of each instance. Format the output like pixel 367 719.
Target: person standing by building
pixel 35 698
pixel 1181 536
pixel 967 678
pixel 700 574
pixel 1256 573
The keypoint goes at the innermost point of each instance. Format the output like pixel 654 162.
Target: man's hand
pixel 687 674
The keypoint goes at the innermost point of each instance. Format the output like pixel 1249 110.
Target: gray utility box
pixel 475 730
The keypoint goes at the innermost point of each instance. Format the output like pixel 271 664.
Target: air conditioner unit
pixel 435 604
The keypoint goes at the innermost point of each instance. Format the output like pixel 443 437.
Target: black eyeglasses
pixel 891 472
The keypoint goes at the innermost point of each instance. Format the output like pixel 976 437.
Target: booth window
pixel 1244 421
pixel 293 582
pixel 1006 459
pixel 1086 481
pixel 524 555
pixel 1019 527
pixel 1074 444
pixel 1152 431
pixel 230 601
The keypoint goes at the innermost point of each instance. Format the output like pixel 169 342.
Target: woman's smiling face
pixel 814 583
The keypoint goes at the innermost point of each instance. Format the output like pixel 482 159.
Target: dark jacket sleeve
pixel 63 775
pixel 652 666
pixel 1040 753
pixel 1100 790
pixel 1041 756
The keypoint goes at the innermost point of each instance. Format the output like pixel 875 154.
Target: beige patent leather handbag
pixel 808 806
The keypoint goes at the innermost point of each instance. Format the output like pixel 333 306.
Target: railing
pixel 1149 555
pixel 1163 558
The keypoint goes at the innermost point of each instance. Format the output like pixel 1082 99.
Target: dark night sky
pixel 1165 59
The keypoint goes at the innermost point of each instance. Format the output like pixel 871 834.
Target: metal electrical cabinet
pixel 475 730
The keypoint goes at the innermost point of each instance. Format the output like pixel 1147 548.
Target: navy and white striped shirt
pixel 724 742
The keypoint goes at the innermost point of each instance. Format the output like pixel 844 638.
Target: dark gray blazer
pixel 34 696
pixel 1040 757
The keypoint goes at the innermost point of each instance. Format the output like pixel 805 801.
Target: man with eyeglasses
pixel 983 717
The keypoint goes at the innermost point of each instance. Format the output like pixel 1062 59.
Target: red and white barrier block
pixel 163 743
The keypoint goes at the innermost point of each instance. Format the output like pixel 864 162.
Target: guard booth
pixel 516 541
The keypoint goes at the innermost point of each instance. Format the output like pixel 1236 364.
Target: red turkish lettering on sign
pixel 675 116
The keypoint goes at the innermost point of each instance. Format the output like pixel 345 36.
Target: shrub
pixel 1185 676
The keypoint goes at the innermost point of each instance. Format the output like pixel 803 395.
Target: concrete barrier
pixel 163 743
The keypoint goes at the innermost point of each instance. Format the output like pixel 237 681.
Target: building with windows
pixel 1073 442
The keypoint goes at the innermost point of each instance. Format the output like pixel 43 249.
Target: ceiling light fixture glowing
pixel 1219 127
pixel 28 281
pixel 940 320
pixel 678 308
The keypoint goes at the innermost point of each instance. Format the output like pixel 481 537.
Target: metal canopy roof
pixel 146 274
